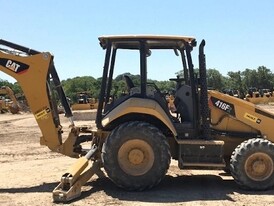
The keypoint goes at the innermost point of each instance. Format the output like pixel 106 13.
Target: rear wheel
pixel 136 156
pixel 252 164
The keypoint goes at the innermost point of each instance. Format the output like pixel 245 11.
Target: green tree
pixel 5 83
pixel 215 79
pixel 250 78
pixel 260 78
pixel 80 84
pixel 265 78
pixel 165 86
pixel 235 80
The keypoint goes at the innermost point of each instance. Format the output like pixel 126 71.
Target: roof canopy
pixel 152 41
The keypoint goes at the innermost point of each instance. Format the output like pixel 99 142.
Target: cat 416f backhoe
pixel 137 135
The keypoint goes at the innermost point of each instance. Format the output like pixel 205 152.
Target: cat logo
pixel 15 66
pixel 12 66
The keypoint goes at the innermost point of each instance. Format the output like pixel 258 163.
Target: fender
pixel 142 106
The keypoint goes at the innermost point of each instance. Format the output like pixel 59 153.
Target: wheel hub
pixel 136 156
pixel 259 166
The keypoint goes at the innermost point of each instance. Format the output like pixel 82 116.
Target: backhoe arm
pixel 36 74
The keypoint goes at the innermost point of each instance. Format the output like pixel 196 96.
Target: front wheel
pixel 252 164
pixel 136 155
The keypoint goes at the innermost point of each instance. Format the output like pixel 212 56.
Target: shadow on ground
pixel 176 189
pixel 45 187
pixel 171 189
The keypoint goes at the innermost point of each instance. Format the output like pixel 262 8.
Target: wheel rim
pixel 259 166
pixel 135 157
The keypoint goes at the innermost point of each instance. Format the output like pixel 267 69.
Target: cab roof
pixel 152 41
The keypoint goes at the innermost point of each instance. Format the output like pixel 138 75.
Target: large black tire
pixel 136 156
pixel 252 164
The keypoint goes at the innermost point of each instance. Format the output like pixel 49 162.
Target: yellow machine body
pixel 137 134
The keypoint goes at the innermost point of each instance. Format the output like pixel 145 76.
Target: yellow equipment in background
pixel 262 96
pixel 84 102
pixel 10 104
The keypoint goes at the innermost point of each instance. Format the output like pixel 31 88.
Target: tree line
pixel 260 78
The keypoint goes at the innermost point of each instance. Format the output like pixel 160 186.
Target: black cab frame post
pixel 186 78
pixel 110 74
pixel 143 67
pixel 103 87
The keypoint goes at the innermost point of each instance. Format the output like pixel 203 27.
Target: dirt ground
pixel 29 172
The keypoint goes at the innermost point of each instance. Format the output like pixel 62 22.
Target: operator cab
pixel 145 46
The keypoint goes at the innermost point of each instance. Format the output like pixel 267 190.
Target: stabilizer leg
pixel 71 182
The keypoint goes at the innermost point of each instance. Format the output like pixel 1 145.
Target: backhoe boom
pixel 36 74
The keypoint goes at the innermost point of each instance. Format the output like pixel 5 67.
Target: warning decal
pixel 252 118
pixel 42 113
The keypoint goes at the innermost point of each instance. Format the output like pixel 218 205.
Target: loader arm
pixel 36 74
pixel 234 114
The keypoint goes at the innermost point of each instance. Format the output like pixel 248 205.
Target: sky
pixel 238 34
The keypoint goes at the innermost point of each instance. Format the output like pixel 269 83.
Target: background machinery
pixel 259 96
pixel 84 102
pixel 12 105
pixel 137 134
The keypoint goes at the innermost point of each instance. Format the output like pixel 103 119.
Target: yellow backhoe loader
pixel 84 102
pixel 13 105
pixel 137 134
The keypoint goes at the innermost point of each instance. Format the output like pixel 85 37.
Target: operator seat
pixel 128 82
